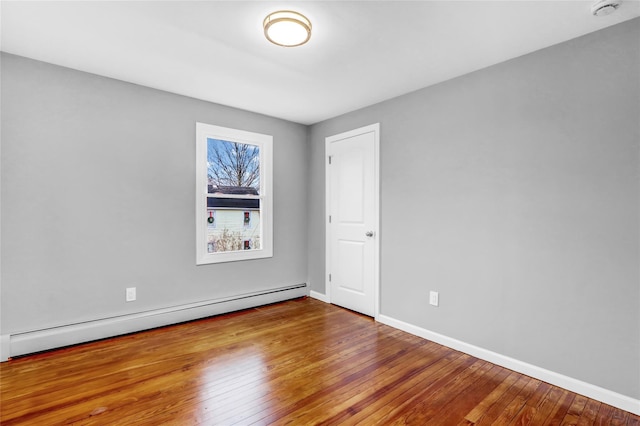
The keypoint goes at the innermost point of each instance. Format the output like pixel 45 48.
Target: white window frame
pixel 265 143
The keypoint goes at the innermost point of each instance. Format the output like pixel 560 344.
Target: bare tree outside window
pixel 233 164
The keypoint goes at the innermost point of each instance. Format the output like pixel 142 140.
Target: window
pixel 233 195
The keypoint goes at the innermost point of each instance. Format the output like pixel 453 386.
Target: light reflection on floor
pixel 229 385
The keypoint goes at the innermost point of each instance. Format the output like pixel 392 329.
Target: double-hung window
pixel 234 204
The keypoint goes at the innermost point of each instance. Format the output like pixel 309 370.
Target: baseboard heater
pixel 71 334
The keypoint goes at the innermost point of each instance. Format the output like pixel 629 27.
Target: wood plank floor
pixel 301 362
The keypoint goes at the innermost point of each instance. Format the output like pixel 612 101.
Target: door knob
pixel 369 234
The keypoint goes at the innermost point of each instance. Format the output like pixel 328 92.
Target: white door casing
pixel 352 203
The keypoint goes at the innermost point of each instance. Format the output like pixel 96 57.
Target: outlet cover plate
pixel 131 294
pixel 433 298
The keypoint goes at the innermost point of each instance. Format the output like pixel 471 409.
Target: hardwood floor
pixel 299 362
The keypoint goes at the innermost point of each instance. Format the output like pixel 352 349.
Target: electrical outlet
pixel 433 298
pixel 131 294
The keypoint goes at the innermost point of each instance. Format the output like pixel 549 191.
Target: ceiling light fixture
pixel 287 28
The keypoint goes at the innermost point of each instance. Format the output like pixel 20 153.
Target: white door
pixel 352 210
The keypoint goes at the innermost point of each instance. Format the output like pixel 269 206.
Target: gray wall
pixel 525 177
pixel 98 194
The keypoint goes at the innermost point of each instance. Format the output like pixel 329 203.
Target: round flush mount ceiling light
pixel 287 28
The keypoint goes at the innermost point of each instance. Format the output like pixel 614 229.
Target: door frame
pixel 375 128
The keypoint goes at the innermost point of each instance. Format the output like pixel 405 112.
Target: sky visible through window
pixel 233 164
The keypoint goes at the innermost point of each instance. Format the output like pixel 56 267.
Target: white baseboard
pixel 40 340
pixel 319 296
pixel 591 391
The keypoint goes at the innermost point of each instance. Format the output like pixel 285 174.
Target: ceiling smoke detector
pixel 605 7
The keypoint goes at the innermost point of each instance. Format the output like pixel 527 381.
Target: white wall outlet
pixel 131 294
pixel 433 298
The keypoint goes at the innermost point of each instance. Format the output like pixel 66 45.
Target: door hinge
pixel 330 159
pixel 329 277
pixel 329 218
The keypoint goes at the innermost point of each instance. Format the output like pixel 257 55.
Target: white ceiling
pixel 360 53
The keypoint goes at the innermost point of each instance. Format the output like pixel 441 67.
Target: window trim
pixel 206 131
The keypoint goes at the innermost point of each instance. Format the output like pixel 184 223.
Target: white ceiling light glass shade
pixel 287 28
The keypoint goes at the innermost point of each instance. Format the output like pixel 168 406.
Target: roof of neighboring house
pixel 232 190
pixel 232 203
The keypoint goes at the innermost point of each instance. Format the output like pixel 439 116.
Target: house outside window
pixel 233 195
